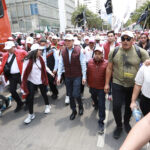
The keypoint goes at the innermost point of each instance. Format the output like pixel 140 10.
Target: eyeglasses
pixel 127 39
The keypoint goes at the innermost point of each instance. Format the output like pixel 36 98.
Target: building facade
pixel 36 15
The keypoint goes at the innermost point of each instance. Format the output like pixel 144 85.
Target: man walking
pixel 123 65
pixel 74 64
pixel 12 64
pixel 96 80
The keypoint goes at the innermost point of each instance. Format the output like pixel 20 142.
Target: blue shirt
pixel 82 62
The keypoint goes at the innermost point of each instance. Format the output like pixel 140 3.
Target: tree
pixel 92 20
pixel 138 12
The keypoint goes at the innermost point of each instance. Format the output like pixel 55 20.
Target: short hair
pixel 43 40
pixel 111 32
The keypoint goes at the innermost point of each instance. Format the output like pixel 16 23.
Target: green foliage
pixel 136 15
pixel 92 20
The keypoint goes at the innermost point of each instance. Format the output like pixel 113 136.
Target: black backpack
pixel 137 48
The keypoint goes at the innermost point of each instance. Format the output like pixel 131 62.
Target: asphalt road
pixel 55 131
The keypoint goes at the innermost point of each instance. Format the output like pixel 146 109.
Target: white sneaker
pixel 67 100
pixel 29 118
pixel 47 109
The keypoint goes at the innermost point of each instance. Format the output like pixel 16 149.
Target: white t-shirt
pixel 14 68
pixel 143 78
pixel 35 74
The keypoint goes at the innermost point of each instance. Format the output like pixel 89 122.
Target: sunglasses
pixel 127 39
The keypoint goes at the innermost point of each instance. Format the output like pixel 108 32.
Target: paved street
pixel 55 131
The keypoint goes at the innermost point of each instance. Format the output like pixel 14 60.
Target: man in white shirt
pixel 12 60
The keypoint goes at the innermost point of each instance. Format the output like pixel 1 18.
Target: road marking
pixel 101 138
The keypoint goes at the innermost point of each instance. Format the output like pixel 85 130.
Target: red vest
pixel 107 49
pixel 20 54
pixel 72 69
pixel 96 74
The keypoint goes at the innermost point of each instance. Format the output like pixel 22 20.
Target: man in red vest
pixel 109 46
pixel 11 66
pixel 96 80
pixel 73 62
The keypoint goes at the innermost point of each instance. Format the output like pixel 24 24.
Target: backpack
pixel 137 48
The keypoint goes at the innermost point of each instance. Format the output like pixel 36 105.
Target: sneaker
pixel 67 100
pixel 117 132
pixel 29 118
pixel 101 129
pixel 47 109
pixel 127 127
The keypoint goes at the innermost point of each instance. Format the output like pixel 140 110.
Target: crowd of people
pixel 115 67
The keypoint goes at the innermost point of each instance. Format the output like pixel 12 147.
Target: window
pixel 1 9
pixel 34 9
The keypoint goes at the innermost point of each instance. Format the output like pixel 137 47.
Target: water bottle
pixel 137 114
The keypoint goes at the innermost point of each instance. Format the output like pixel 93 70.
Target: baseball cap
pixel 86 38
pixel 98 48
pixel 61 43
pixel 128 33
pixel 97 37
pixel 10 38
pixel 69 37
pixel 35 47
pixel 76 42
pixel 54 37
pixel 91 40
pixel 9 45
pixel 29 40
pixel 38 36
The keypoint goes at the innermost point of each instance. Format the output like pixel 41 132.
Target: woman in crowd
pixel 34 75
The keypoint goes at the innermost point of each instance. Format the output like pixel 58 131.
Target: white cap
pixel 10 38
pixel 38 36
pixel 35 47
pixel 9 45
pixel 86 38
pixel 128 33
pixel 29 40
pixel 54 37
pixel 69 37
pixel 97 37
pixel 76 42
pixel 98 48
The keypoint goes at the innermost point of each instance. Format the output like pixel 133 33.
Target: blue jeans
pixel 74 91
pixel 98 97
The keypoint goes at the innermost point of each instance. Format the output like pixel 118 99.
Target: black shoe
pixel 18 108
pixel 117 132
pixel 127 127
pixel 101 129
pixel 73 115
pixel 54 96
pixel 81 110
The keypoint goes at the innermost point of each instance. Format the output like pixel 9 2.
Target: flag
pixel 144 15
pixel 108 7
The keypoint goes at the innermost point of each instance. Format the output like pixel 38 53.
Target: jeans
pixel 73 86
pixel 98 97
pixel 121 94
pixel 30 98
